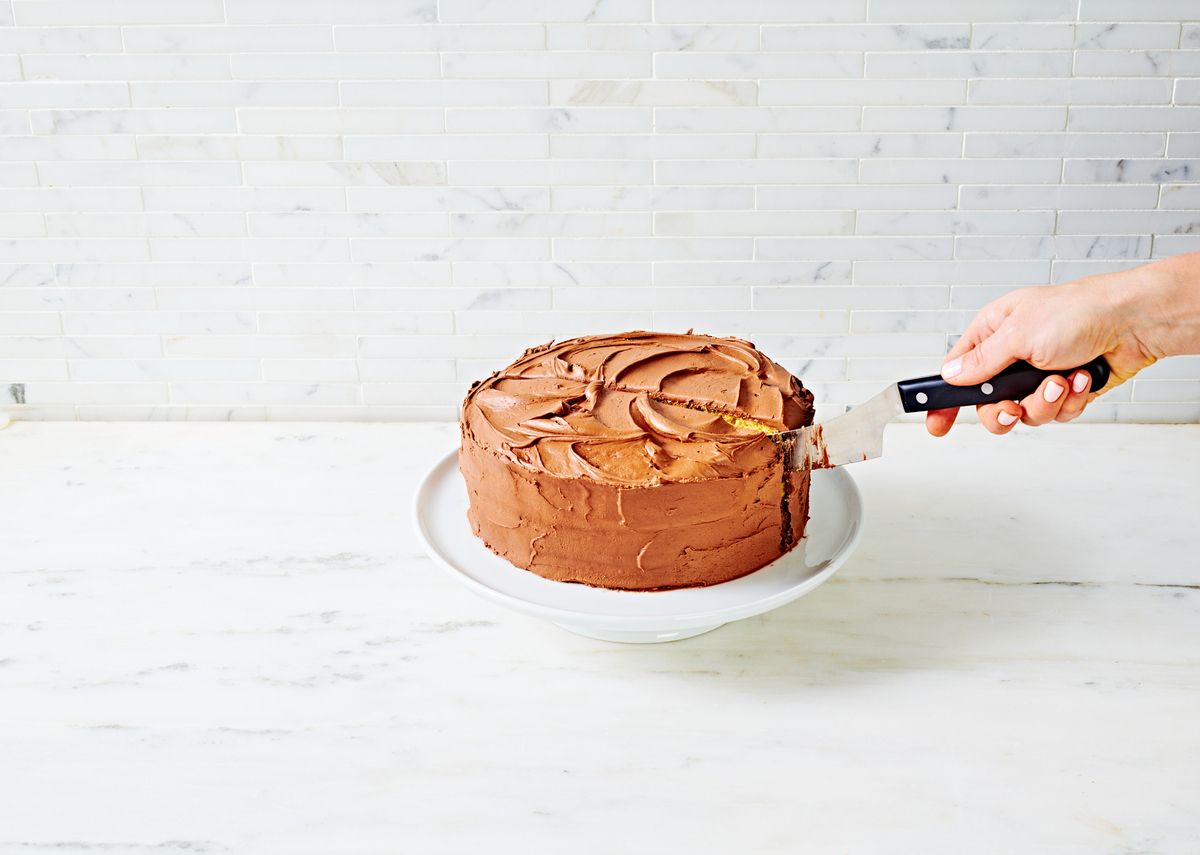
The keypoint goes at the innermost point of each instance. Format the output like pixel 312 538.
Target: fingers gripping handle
pixel 1012 384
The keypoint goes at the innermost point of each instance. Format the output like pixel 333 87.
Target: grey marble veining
pixel 225 638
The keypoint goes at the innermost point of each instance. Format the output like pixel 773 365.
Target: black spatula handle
pixel 1012 384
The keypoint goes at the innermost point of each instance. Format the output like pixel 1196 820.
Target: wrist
pixel 1157 306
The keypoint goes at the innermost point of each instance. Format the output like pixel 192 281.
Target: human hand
pixel 1051 327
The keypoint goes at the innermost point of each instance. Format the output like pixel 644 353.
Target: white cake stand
pixel 440 519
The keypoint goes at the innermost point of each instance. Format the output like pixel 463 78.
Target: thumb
pixel 982 362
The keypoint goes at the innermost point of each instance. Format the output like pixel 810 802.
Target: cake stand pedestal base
pixel 639 636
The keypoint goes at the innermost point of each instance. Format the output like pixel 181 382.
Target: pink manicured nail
pixel 1053 392
pixel 1006 418
pixel 952 368
pixel 1079 382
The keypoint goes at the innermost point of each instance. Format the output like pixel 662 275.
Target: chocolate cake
pixel 637 461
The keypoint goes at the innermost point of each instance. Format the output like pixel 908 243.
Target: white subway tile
pixel 1004 246
pixel 1000 171
pixel 22 225
pixel 503 274
pixel 384 370
pixel 77 12
pixel 1024 272
pixel 1147 10
pixel 235 93
pixel 359 120
pixel 851 247
pixel 58 298
pixel 248 249
pixel 344 173
pixel 816 370
pixel 60 39
pixel 310 370
pixel 653 298
pixel 1180 196
pixel 227 393
pixel 473 11
pixel 30 323
pixel 850 297
pixel 442 93
pixel 923 321
pixel 556 325
pixel 55 94
pixel 955 222
pixel 132 370
pixel 652 198
pixel 493 172
pixel 734 119
pixel 1008 196
pixel 1069 270
pixel 90 347
pixel 548 120
pixel 255 346
pixel 908 11
pixel 507 347
pixel 164 121
pixel 1190 36
pixel 6 16
pixel 867 37
pixel 1187 91
pixel 799 345
pixel 1126 36
pixel 96 393
pixel 651 146
pixel 754 66
pixel 1130 170
pixel 244 198
pixel 150 274
pixel 1022 36
pixel 1103 246
pixel 409 298
pixel 108 66
pixel 761 11
pixel 753 223
pixel 444 394
pixel 751 273
pixel 137 224
pixel 64 249
pixel 26 276
pixel 755 171
pixel 863 92
pixel 1167 245
pixel 395 198
pixel 1143 63
pixel 14 122
pixel 323 12
pixel 976 296
pixel 1072 91
pixel 249 299
pixel 752 324
pixel 19 147
pixel 354 323
pixel 1127 222
pixel 964 118
pixel 888 370
pixel 859 145
pixel 225 38
pixel 447 147
pixel 28 199
pixel 946 63
pixel 654 93
pixel 856 196
pixel 440 37
pixel 1064 145
pixel 1175 368
pixel 680 37
pixel 156 322
pixel 347 224
pixel 123 173
pixel 1183 145
pixel 223 147
pixel 579 224
pixel 1166 390
pixel 545 64
pixel 311 65
pixel 26 370
pixel 652 248
pixel 352 274
pixel 449 249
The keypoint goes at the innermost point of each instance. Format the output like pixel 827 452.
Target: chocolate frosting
pixel 605 460
pixel 637 408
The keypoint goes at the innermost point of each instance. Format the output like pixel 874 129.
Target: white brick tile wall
pixel 298 209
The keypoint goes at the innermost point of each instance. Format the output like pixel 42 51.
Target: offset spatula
pixel 858 434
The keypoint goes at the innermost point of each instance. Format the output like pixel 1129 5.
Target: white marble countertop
pixel 225 638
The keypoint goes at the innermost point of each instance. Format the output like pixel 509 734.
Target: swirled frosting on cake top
pixel 638 408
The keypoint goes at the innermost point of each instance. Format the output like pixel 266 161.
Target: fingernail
pixel 1006 418
pixel 952 368
pixel 1053 392
pixel 1080 381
